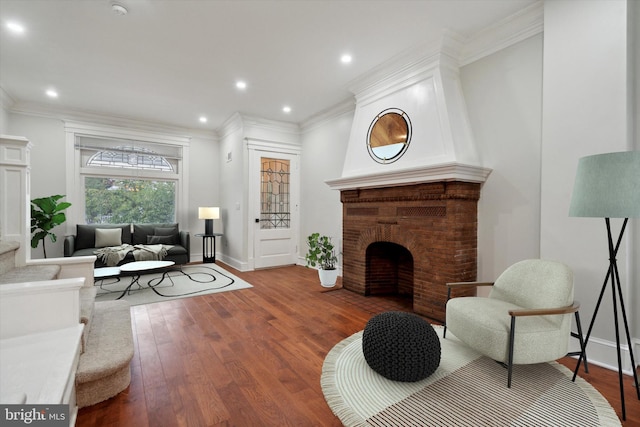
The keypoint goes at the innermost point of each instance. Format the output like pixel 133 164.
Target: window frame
pixel 76 175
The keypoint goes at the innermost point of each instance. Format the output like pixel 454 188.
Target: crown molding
pixel 232 124
pixel 6 100
pixel 66 115
pixel 270 125
pixel 399 70
pixel 251 126
pixel 323 117
pixel 104 130
pixel 513 29
pixel 452 50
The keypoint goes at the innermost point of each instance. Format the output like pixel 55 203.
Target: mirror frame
pixel 405 143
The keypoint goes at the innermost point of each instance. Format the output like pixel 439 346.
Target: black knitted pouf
pixel 401 346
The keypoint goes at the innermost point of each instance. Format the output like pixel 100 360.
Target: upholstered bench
pixel 401 346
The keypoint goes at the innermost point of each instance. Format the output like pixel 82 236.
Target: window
pixel 275 209
pixel 130 158
pixel 116 200
pixel 126 181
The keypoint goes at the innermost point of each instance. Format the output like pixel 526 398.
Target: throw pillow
pixel 108 237
pixel 160 240
pixel 168 231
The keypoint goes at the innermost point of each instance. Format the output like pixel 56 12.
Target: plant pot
pixel 328 278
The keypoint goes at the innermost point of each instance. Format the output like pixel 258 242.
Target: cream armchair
pixel 536 293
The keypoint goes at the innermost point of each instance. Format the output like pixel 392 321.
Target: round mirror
pixel 389 135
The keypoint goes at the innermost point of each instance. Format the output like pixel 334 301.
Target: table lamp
pixel 608 186
pixel 208 214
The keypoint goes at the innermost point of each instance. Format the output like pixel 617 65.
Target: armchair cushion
pixel 535 284
pixel 537 338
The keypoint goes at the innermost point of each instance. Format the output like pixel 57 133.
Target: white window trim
pixel 75 175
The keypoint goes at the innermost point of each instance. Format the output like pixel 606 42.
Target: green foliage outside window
pixel 121 200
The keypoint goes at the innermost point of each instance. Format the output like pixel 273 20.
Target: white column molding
pixel 15 194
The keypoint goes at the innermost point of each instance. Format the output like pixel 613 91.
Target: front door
pixel 276 219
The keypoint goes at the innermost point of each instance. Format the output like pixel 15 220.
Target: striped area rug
pixel 467 389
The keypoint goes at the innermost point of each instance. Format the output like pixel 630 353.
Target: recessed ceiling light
pixel 286 109
pixel 346 58
pixel 241 85
pixel 15 27
pixel 52 93
pixel 203 119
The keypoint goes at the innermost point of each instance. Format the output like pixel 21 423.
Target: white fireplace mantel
pixel 432 173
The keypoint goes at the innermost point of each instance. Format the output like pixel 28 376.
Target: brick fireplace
pixel 410 222
pixel 410 240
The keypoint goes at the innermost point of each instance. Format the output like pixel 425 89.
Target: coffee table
pixel 105 272
pixel 138 268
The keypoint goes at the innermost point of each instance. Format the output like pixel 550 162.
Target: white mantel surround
pixel 415 175
pixel 424 83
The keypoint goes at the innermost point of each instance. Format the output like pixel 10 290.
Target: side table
pixel 209 247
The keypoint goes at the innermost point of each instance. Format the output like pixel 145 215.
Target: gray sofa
pixel 84 241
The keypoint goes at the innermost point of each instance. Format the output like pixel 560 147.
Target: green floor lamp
pixel 608 186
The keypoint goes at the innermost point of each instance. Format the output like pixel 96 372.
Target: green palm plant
pixel 46 213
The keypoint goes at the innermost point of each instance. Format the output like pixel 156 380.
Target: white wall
pixel 233 197
pixel 504 98
pixel 4 120
pixel 203 174
pixel 587 109
pixel 324 147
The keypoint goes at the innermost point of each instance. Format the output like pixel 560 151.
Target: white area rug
pixel 179 282
pixel 467 389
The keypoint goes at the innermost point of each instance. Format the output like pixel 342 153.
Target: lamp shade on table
pixel 208 214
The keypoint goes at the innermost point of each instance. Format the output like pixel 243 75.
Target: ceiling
pixel 172 61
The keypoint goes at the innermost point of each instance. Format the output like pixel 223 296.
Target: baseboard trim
pixel 603 353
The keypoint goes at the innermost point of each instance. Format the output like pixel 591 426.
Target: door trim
pixel 258 148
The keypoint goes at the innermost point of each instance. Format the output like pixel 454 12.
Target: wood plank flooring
pixel 253 357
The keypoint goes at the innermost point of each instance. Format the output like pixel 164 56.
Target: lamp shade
pixel 208 213
pixel 607 186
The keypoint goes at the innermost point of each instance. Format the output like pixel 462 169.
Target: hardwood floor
pixel 253 357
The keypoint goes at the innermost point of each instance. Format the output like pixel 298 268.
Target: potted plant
pixel 46 213
pixel 321 254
